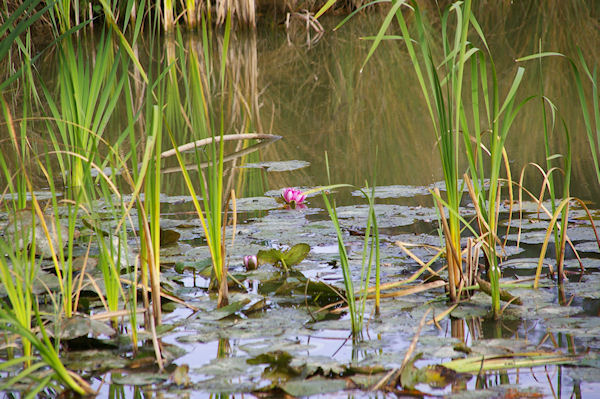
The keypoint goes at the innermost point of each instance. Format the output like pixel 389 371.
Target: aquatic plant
pixel 561 211
pixel 590 106
pixel 250 262
pixel 370 257
pixel 203 124
pixel 444 105
pixel 560 230
pixel 293 197
pixel 286 259
pixel 441 83
pixel 48 353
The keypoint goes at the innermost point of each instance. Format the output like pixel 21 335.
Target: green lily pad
pixel 23 227
pixel 278 166
pixel 93 360
pixel 588 288
pixel 255 204
pixel 231 367
pixel 395 191
pixel 139 379
pixel 588 246
pixel 311 365
pixel 296 254
pixel 168 237
pixel 584 374
pixel 204 267
pixel 271 256
pixel 291 257
pixel 228 310
pixel 313 386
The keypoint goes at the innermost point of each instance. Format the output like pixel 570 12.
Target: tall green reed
pixel 19 268
pixel 88 91
pixel 590 105
pixel 590 109
pixel 204 121
pixel 560 232
pixel 460 132
pixel 485 139
pixel 369 258
pixel 48 353
pixel 442 89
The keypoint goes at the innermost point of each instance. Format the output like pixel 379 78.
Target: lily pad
pixel 588 246
pixel 278 166
pixel 229 367
pixel 291 257
pixel 588 288
pixel 42 282
pixel 94 360
pixel 255 204
pixel 313 386
pixel 168 237
pixel 149 378
pixel 228 310
pixel 23 226
pixel 79 326
pixel 395 191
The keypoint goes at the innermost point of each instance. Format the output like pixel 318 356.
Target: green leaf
pixel 228 310
pixel 168 237
pixel 313 386
pixel 272 256
pixel 296 254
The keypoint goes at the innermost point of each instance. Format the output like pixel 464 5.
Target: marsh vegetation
pixel 364 199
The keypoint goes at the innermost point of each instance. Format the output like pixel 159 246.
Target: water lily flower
pixel 250 262
pixel 293 197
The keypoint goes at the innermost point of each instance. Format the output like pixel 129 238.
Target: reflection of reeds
pixel 357 112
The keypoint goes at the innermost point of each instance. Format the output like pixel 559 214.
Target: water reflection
pixel 324 103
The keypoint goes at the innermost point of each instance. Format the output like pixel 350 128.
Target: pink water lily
pixel 250 262
pixel 293 197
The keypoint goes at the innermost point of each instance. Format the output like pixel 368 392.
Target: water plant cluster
pixel 87 253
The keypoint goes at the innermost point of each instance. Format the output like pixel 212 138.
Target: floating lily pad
pixel 276 343
pixel 149 378
pixel 227 367
pixel 588 246
pixel 588 288
pixel 278 166
pixel 396 191
pixel 168 237
pixel 94 360
pixel 228 310
pixel 286 259
pixel 322 365
pixel 387 215
pixel 255 204
pixel 23 226
pixel 576 326
pixel 313 386
pixel 583 374
pixel 79 326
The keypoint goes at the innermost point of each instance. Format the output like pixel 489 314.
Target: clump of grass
pixel 369 258
pixel 460 132
pixel 590 109
pixel 203 124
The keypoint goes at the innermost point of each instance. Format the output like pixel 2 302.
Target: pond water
pixel 373 125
